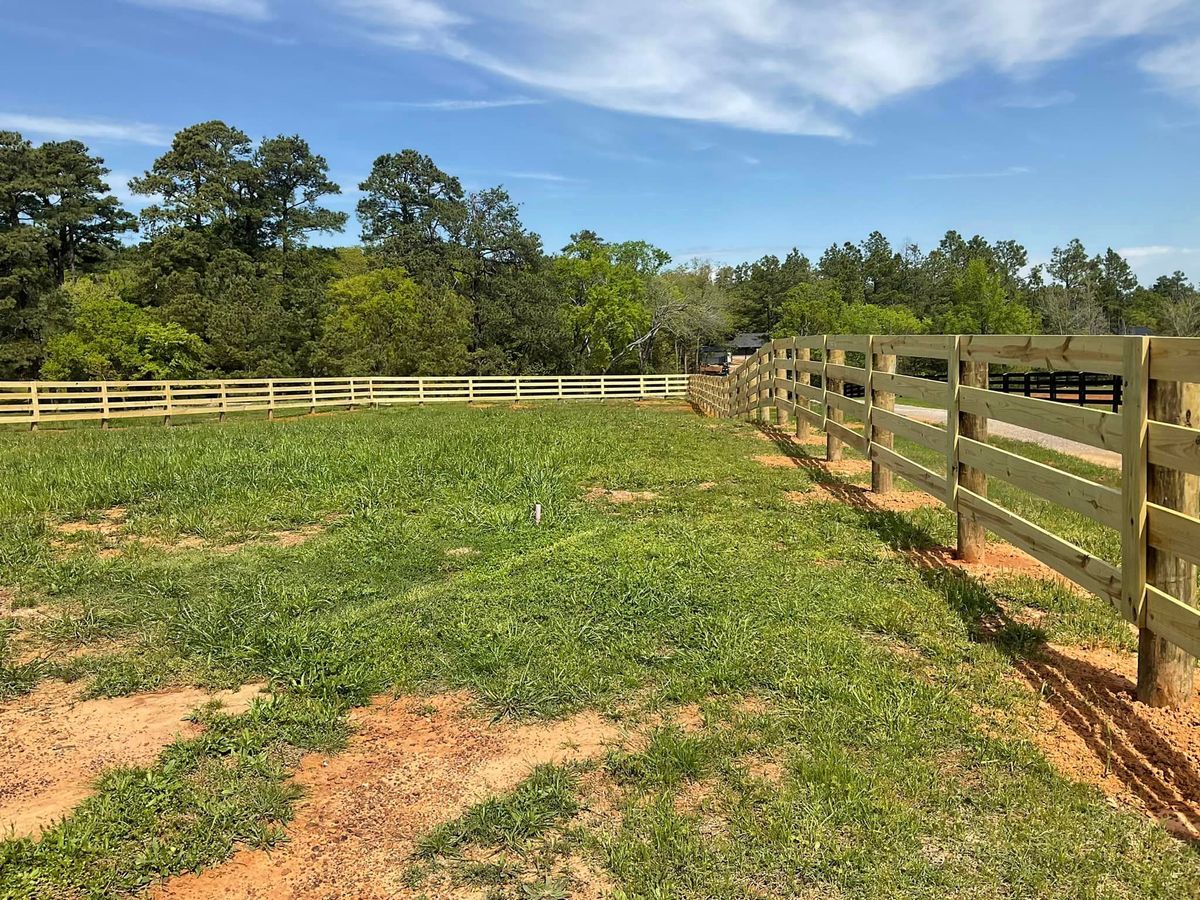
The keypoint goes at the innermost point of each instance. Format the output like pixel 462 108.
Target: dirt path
pixel 414 763
pixel 53 745
pixel 1003 429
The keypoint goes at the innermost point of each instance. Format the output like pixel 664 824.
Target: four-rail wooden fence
pixel 1156 509
pixel 32 403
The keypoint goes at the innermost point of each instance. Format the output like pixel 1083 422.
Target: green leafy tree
pixel 385 323
pixel 411 215
pixel 110 338
pixel 292 180
pixel 982 306
pixel 56 219
pixel 205 182
pixel 606 290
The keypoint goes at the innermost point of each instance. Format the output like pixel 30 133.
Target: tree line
pixel 223 277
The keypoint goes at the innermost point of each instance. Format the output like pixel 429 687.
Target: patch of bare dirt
pixel 110 522
pixel 462 551
pixel 706 485
pixel 776 461
pixel 53 745
pixel 597 494
pixel 765 768
pixel 413 764
pixel 863 497
pixel 1000 559
pixel 116 540
pixel 1091 728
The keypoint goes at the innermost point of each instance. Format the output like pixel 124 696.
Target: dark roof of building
pixel 749 339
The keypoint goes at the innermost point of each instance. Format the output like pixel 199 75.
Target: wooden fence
pixel 32 403
pixel 1156 510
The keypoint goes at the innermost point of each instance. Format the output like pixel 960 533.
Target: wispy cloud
pixel 768 65
pixel 1176 68
pixel 453 105
pixel 254 10
pixel 956 176
pixel 1038 101
pixel 551 177
pixel 81 129
pixel 1153 251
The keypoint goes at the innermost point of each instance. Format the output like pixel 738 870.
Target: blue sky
pixel 715 128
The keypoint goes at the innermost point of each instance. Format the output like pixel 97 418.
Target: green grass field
pixel 876 686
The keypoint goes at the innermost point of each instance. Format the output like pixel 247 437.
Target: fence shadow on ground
pixel 1095 703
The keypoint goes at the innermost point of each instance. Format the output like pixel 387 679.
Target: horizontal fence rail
pixel 1149 385
pixel 32 403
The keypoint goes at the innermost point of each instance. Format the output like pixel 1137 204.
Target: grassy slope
pixel 892 786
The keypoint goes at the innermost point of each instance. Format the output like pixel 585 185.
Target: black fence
pixel 1077 388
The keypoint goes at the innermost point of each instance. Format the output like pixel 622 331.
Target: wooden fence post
pixel 312 396
pixel 804 378
pixel 1165 672
pixel 833 446
pixel 881 476
pixel 104 406
pixel 35 411
pixel 223 401
pixel 789 396
pixel 270 399
pixel 167 390
pixel 972 536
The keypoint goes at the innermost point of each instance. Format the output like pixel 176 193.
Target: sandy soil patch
pixel 1091 728
pixel 111 529
pixel 862 497
pixel 53 745
pixel 850 467
pixel 462 551
pixel 1000 559
pixel 413 764
pixel 706 485
pixel 597 494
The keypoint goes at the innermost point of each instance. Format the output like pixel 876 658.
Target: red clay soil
pixel 1000 559
pixel 413 764
pixel 861 497
pixel 1091 728
pixel 53 745
pixel 841 467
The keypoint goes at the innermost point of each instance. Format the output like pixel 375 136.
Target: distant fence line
pixel 33 403
pixel 1156 510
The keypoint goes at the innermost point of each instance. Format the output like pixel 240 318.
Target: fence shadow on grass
pixel 1095 703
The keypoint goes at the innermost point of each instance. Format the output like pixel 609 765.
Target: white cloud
pixel 955 176
pixel 455 105
pixel 1153 251
pixel 541 176
pixel 1176 67
pixel 85 129
pixel 254 10
pixel 787 66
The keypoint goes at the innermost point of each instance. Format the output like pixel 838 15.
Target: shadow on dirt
pixel 1126 740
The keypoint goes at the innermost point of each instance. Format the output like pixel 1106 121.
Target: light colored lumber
pixel 929 436
pixel 1096 501
pixel 847 436
pixel 1087 353
pixel 1094 427
pixel 919 346
pixel 908 386
pixel 1089 572
pixel 929 481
